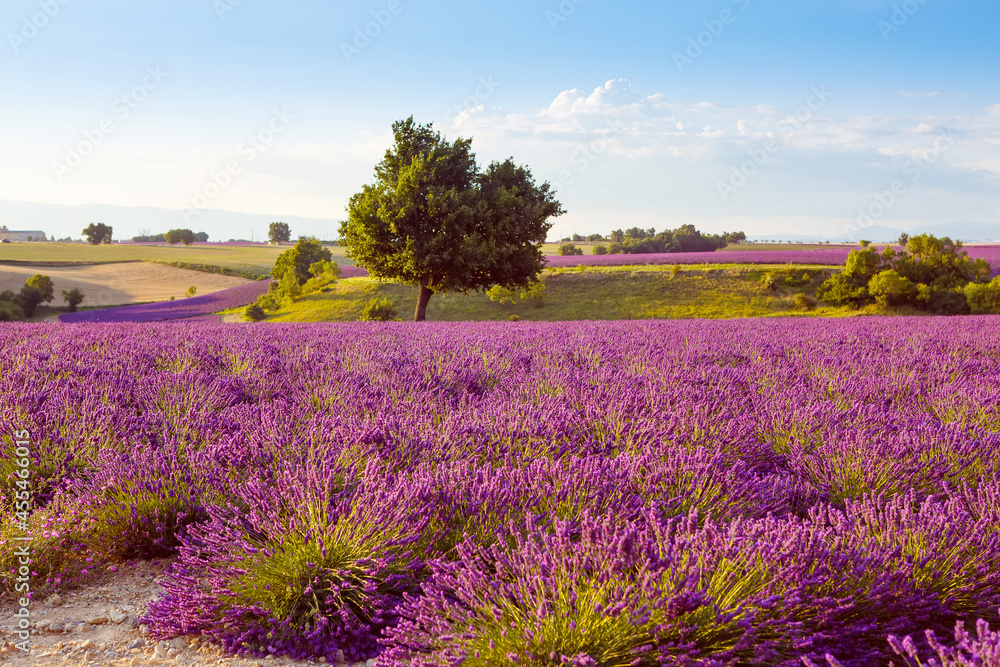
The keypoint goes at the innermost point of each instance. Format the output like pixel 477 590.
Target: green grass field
pixel 249 261
pixel 607 293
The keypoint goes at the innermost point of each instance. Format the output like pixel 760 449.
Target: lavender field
pixel 634 493
pixel 832 257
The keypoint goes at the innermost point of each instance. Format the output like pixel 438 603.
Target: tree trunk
pixel 425 296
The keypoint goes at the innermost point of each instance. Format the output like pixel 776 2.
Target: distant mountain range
pixel 967 232
pixel 62 221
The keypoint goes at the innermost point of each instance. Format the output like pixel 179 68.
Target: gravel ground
pixel 99 625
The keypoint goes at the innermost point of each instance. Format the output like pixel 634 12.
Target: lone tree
pixel 433 219
pixel 175 236
pixel 37 289
pixel 298 263
pixel 98 233
pixel 279 232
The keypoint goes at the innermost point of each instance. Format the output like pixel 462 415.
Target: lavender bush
pixel 681 493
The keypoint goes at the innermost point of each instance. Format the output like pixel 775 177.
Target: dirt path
pixel 119 284
pixel 98 625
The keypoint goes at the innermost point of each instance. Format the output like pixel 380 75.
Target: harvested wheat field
pixel 120 284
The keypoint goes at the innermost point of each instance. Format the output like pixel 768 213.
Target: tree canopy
pixel 98 233
pixel 175 236
pixel 279 232
pixel 433 219
pixel 298 263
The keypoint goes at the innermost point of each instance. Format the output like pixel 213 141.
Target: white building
pixel 20 237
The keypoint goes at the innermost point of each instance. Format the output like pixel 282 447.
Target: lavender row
pixel 679 493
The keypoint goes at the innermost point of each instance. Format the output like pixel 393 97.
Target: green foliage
pixel 865 244
pixel 432 218
pixel 37 289
pixel 296 264
pixel 73 298
pixel 767 282
pixel 191 291
pixel 534 292
pixel 984 299
pixel 568 249
pixel 675 270
pixel 803 302
pixel 600 250
pixel 514 318
pixel 175 236
pixel 904 239
pixel 10 311
pixel 683 239
pixel 279 232
pixel 379 310
pixel 254 313
pixel 98 233
pixel 930 274
pixel 44 286
pixel 888 288
pixel 942 300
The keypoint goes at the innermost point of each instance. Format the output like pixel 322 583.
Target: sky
pixel 767 117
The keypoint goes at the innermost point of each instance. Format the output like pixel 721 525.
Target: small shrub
pixel 984 299
pixel 73 298
pixel 514 318
pixel 191 291
pixel 675 270
pixel 534 293
pixel 255 313
pixel 568 249
pixel 865 244
pixel 600 250
pixel 803 302
pixel 767 282
pixel 379 310
pixel 891 289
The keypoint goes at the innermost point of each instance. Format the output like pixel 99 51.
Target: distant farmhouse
pixel 20 237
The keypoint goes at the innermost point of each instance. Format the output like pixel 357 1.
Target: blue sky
pixel 788 117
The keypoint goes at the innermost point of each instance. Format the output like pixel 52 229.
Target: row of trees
pixel 173 237
pixel 685 238
pixel 38 289
pixel 931 274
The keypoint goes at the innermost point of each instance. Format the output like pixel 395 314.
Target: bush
pixel 889 288
pixel 297 264
pixel 10 312
pixel 534 292
pixel 675 270
pixel 600 250
pixel 803 302
pixel 379 310
pixel 984 299
pixel 569 249
pixel 942 301
pixel 767 282
pixel 73 298
pixel 843 289
pixel 514 318
pixel 255 313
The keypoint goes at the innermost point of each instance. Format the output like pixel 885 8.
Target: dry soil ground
pixel 119 284
pixel 98 625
